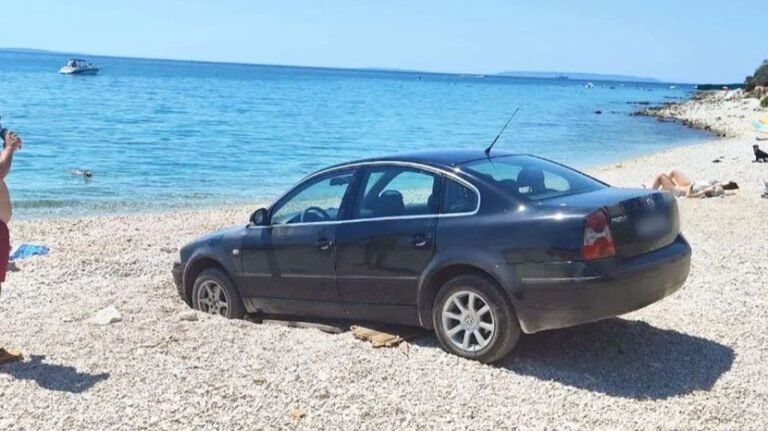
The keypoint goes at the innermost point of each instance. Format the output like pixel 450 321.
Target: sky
pixel 677 41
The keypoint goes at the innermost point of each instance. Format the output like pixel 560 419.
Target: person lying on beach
pixel 11 144
pixel 680 186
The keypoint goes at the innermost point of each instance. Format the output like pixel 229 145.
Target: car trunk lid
pixel 641 221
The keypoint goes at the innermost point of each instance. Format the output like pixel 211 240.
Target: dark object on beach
pixel 717 161
pixel 598 112
pixel 730 185
pixel 477 247
pixel 760 155
pixel 757 138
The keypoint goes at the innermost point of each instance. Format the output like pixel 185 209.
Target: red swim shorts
pixel 5 249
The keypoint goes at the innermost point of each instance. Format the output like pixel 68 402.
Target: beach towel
pixel 28 250
pixel 760 127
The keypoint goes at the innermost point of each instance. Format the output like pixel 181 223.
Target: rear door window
pixel 397 191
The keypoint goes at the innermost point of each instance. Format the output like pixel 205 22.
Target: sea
pixel 162 135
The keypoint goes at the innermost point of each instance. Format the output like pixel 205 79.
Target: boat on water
pixel 78 66
pixel 589 85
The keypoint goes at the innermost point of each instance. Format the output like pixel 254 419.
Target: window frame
pixel 349 198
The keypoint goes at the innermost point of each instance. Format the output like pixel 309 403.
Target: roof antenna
pixel 488 150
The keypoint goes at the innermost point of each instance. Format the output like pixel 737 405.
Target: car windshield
pixel 532 178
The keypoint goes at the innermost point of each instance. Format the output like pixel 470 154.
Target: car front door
pixel 289 264
pixel 387 242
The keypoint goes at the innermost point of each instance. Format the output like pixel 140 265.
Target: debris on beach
pixel 188 316
pixel 379 338
pixel 28 250
pixel 329 328
pixel 107 316
pixel 298 414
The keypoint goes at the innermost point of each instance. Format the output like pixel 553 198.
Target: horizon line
pixel 498 74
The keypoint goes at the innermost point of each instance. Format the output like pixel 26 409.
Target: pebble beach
pixel 696 360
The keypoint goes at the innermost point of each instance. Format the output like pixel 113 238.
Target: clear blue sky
pixel 682 40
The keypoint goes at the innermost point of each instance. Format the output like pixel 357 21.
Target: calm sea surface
pixel 165 134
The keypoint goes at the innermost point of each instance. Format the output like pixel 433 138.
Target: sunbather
pixel 679 184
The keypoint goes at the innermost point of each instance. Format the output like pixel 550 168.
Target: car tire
pixel 215 293
pixel 474 320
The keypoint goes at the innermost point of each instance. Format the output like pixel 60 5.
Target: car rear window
pixel 532 178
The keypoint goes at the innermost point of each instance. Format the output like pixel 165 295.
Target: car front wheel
pixel 473 320
pixel 214 293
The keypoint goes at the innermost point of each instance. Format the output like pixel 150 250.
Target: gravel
pixel 694 360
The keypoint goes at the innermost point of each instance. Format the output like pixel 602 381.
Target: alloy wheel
pixel 212 298
pixel 468 321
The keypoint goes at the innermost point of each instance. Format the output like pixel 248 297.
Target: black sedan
pixel 477 248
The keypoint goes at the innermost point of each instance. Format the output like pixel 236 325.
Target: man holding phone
pixel 11 144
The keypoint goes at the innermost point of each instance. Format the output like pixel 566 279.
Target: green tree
pixel 760 77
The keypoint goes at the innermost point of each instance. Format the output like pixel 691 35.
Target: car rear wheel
pixel 214 293
pixel 473 320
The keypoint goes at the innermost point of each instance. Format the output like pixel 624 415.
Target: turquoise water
pixel 165 134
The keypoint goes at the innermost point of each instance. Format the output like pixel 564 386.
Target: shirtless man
pixel 11 144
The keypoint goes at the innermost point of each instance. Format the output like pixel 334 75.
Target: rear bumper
pixel 631 284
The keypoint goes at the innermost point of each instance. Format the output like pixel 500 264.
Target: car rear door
pixel 289 265
pixel 389 239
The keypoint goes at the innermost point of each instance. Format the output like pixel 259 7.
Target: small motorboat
pixel 78 66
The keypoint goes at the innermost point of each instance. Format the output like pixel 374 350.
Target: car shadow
pixel 622 358
pixel 617 357
pixel 51 376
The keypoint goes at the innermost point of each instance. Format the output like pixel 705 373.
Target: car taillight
pixel 598 242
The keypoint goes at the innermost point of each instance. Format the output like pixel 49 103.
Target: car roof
pixel 437 158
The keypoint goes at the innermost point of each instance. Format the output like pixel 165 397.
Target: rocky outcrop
pixel 725 113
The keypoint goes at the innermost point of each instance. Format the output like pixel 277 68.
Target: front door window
pixel 316 201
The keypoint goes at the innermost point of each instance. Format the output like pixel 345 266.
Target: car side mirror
pixel 259 217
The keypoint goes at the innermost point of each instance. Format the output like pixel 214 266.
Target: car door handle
pixel 324 244
pixel 420 240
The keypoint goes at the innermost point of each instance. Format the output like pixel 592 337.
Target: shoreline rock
pixel 722 112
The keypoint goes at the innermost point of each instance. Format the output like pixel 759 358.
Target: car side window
pixel 458 198
pixel 316 201
pixel 396 191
